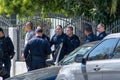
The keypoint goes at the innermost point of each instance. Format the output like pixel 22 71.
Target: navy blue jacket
pixel 101 35
pixel 91 37
pixel 45 37
pixel 56 40
pixel 73 42
pixel 8 46
pixel 39 49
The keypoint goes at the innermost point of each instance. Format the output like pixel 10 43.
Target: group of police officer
pixel 90 36
pixel 39 46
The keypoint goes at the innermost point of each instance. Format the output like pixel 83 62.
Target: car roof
pixel 91 43
pixel 113 35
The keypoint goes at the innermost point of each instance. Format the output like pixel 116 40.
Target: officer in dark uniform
pixel 39 49
pixel 57 39
pixel 43 35
pixel 73 40
pixel 89 34
pixel 8 50
pixel 101 31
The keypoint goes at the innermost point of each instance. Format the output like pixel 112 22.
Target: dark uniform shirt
pixel 8 49
pixel 45 37
pixel 39 48
pixel 57 40
pixel 73 42
pixel 91 37
pixel 101 35
pixel 8 46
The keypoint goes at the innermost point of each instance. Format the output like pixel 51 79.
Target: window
pixel 103 50
pixel 117 51
pixel 70 58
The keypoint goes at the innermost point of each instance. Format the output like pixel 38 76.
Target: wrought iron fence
pixel 114 27
pixel 51 22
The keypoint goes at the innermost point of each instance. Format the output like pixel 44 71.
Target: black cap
pixel 39 30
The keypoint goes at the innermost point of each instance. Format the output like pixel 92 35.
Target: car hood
pixel 70 67
pixel 39 74
pixel 69 71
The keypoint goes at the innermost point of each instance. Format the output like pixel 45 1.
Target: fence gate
pixel 49 23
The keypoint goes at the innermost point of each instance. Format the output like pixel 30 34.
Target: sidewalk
pixel 20 67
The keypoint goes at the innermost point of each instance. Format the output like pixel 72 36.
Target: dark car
pixel 102 62
pixel 50 73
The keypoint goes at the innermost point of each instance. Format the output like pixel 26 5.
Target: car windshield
pixel 80 50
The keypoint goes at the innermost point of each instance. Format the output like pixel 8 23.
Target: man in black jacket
pixel 73 40
pixel 90 36
pixel 8 52
pixel 101 31
pixel 56 40
pixel 39 49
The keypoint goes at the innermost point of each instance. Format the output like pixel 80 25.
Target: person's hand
pixel 22 56
pixel 11 56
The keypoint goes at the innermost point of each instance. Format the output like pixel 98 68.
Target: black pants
pixel 7 65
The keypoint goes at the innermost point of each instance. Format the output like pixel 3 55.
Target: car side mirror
pixel 50 62
pixel 78 58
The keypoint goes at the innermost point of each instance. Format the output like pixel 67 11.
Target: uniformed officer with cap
pixel 39 49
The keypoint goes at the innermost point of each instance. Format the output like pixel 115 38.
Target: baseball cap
pixel 39 30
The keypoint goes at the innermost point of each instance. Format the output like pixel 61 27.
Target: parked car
pixel 50 73
pixel 82 50
pixel 100 63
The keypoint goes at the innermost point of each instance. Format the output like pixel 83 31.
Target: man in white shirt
pixel 30 32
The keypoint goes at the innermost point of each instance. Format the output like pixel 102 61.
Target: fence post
pixel 13 35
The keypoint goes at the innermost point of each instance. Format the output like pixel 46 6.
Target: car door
pixel 95 58
pixel 111 68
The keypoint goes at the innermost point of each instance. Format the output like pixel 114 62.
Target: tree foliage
pixel 99 10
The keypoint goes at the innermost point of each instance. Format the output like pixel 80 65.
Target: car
pixel 50 73
pixel 81 50
pixel 102 62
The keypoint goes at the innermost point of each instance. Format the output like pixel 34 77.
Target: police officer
pixel 8 52
pixel 89 34
pixel 101 31
pixel 39 49
pixel 57 39
pixel 43 35
pixel 73 40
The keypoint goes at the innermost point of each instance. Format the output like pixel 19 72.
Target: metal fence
pixel 50 23
pixel 114 27
pixel 5 24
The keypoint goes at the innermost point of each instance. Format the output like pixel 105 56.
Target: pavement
pixel 19 67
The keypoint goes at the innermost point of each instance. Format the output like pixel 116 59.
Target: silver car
pixel 101 63
pixel 50 73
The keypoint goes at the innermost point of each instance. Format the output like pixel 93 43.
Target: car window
pixel 103 50
pixel 70 58
pixel 117 51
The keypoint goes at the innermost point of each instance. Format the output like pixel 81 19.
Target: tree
pixel 99 10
